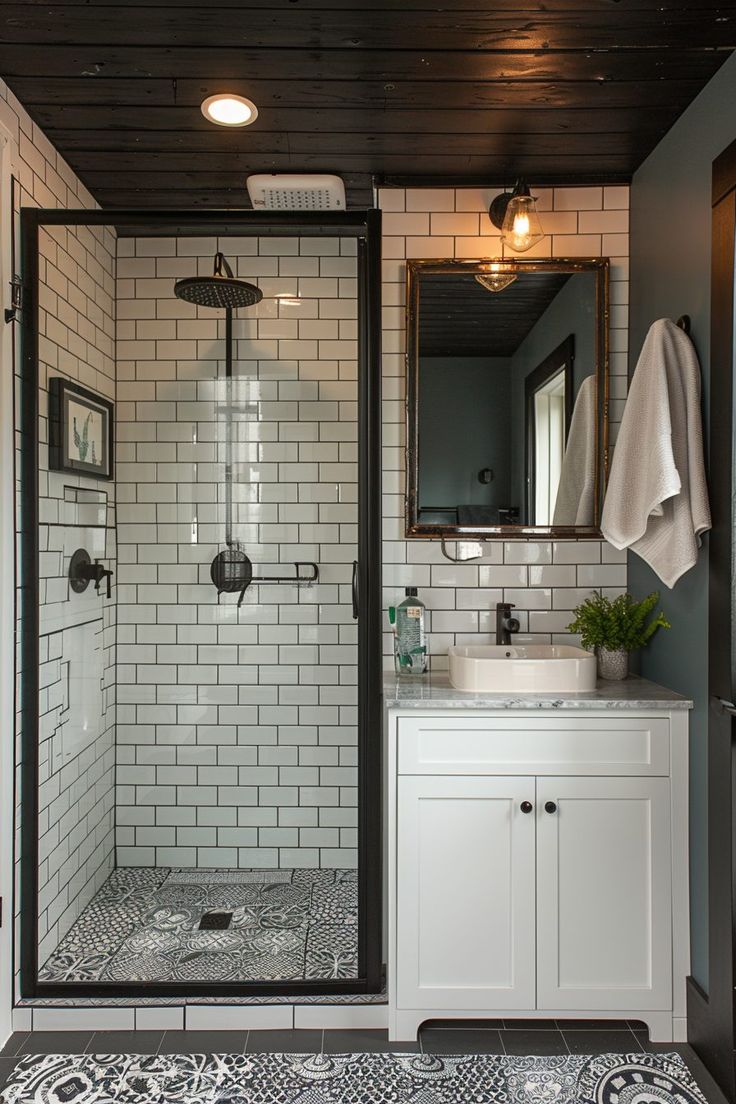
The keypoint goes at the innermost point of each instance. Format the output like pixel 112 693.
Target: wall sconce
pixel 515 215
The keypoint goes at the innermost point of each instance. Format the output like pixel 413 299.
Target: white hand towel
pixel 657 497
pixel 575 503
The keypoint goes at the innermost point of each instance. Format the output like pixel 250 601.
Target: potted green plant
pixel 613 628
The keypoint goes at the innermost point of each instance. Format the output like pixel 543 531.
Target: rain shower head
pixel 221 290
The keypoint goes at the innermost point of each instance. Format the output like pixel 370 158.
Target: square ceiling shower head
pixel 296 192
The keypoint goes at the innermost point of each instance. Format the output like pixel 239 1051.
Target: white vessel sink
pixel 522 668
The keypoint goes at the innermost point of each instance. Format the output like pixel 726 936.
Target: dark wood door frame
pixel 711 1015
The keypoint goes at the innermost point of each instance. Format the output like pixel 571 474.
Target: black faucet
pixel 505 623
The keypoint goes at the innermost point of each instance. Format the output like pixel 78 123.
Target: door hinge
pixel 16 299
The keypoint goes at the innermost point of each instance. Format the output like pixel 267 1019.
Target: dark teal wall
pixel 464 413
pixel 670 276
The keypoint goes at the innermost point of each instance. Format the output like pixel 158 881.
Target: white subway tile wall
pixel 77 341
pixel 237 737
pixel 544 579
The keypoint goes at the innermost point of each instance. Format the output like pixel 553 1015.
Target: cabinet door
pixel 465 893
pixel 604 933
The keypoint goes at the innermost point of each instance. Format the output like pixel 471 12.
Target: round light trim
pixel 227 109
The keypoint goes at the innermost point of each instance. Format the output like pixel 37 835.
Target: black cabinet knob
pixel 550 807
pixel 526 806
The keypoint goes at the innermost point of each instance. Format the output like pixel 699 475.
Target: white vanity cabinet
pixel 465 902
pixel 537 864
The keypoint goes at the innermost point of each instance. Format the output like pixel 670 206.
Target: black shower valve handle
pixel 82 572
pixel 101 573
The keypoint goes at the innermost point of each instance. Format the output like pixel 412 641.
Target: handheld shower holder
pixel 232 573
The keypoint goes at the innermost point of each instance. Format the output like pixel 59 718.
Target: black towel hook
pixel 684 323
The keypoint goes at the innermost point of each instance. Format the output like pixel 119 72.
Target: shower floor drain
pixel 215 921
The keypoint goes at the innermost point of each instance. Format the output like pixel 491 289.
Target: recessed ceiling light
pixel 227 109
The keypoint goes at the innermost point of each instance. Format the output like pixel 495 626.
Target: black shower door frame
pixel 365 227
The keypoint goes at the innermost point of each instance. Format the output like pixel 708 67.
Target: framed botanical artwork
pixel 81 430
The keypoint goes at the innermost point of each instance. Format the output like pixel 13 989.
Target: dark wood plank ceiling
pixel 469 91
pixel 459 317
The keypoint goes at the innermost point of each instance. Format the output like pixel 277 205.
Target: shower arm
pixel 221 262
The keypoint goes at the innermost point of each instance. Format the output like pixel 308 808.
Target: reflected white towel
pixel 657 497
pixel 575 503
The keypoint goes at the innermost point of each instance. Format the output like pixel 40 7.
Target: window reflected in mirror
pixel 507 384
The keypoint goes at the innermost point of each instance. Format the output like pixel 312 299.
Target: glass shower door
pixel 218 769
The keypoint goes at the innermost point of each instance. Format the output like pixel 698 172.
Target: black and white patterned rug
pixel 144 925
pixel 350 1079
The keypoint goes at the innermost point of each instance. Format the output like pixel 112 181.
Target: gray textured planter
pixel 612 665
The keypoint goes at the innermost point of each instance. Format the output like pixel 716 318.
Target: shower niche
pixel 200 765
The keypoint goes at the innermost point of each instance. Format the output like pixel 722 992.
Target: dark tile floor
pixel 540 1037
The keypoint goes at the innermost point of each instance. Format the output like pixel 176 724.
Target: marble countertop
pixel 435 692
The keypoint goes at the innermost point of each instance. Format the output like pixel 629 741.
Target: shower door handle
pixel 355 590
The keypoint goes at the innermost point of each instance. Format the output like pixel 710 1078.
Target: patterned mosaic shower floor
pixel 144 925
pixel 351 1079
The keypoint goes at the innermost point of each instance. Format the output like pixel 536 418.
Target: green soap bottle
pixel 410 638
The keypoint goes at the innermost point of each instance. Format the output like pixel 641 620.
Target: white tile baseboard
pixel 159 1019
pixel 83 1019
pixel 234 1017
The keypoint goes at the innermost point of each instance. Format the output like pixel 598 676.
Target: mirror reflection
pixel 505 397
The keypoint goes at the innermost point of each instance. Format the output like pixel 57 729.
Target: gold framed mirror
pixel 507 398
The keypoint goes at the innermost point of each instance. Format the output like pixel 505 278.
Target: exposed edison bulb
pixel 521 227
